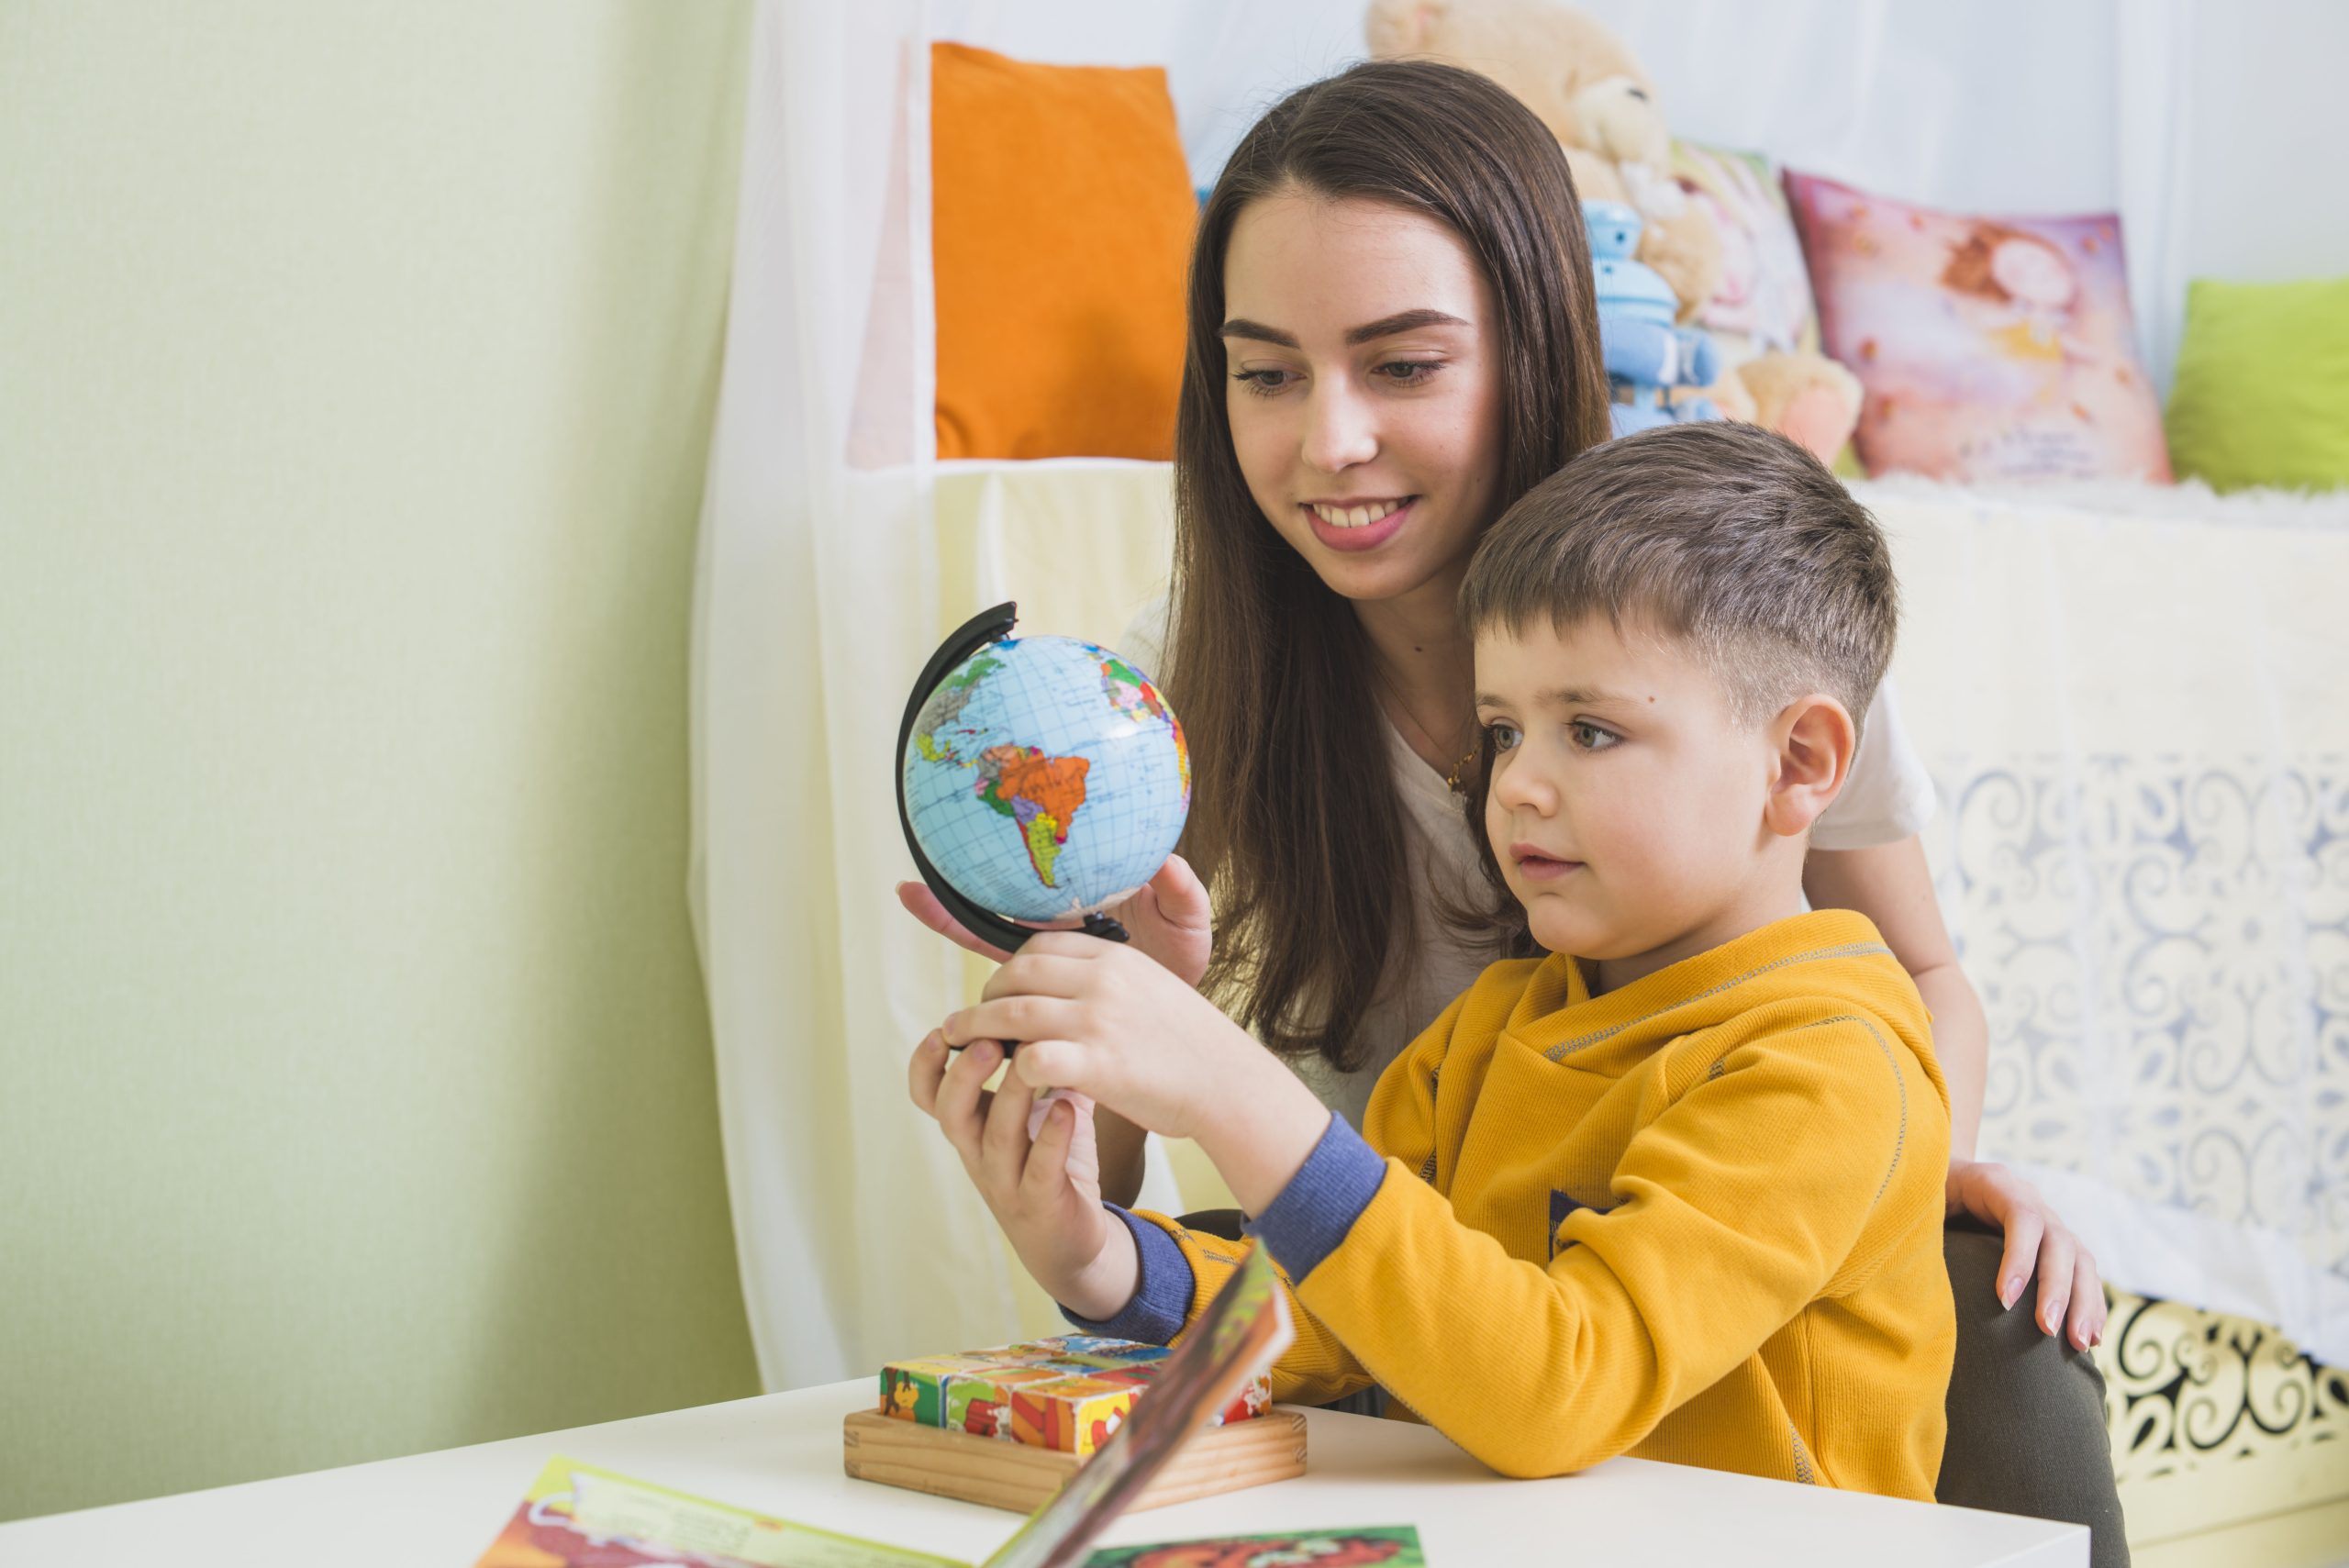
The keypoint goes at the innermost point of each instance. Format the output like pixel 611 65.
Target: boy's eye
pixel 1591 738
pixel 1504 735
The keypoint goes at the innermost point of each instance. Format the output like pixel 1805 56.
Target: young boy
pixel 1677 1194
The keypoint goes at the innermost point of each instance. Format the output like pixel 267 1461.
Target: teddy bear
pixel 1596 97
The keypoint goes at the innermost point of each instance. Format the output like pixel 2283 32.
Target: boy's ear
pixel 1815 743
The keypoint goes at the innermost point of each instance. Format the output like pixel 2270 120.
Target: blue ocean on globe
pixel 1046 777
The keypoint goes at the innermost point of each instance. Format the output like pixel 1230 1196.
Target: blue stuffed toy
pixel 1647 354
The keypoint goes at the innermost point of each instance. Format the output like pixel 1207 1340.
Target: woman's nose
pixel 1340 432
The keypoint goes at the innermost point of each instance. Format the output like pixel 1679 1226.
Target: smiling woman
pixel 1382 355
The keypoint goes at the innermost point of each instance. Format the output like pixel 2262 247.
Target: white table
pixel 781 1454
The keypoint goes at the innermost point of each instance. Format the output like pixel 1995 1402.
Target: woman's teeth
pixel 1355 516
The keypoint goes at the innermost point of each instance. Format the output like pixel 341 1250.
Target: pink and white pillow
pixel 1992 349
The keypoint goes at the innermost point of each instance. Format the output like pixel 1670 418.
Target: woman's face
pixel 1365 404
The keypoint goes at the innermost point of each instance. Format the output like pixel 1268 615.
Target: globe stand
pixel 988 626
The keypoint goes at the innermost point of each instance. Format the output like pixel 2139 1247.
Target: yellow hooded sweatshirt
pixel 1695 1219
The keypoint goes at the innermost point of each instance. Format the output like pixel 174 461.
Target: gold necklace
pixel 1452 779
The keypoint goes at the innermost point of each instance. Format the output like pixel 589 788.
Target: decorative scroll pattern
pixel 2185 1390
pixel 2161 945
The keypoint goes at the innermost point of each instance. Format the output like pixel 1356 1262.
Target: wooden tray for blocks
pixel 948 1463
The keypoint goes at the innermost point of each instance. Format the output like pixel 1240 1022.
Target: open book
pixel 577 1514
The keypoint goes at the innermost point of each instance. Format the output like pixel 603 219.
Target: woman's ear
pixel 1815 741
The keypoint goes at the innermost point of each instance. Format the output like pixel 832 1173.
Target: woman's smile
pixel 1357 525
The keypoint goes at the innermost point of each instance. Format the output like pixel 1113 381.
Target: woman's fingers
pixel 2071 1293
pixel 1182 897
pixel 1173 920
pixel 2088 1307
pixel 2057 1254
pixel 923 906
pixel 2024 1228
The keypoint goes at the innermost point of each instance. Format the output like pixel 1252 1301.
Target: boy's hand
pixel 1103 1021
pixel 1168 917
pixel 1046 1193
pixel 1099 1019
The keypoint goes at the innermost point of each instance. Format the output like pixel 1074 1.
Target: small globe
pixel 1046 777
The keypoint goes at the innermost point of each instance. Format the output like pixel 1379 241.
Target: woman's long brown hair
pixel 1294 822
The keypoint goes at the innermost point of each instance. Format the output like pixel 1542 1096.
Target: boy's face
pixel 1626 806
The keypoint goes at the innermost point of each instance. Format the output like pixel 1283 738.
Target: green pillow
pixel 2261 396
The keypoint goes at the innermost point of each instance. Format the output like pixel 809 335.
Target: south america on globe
pixel 1045 777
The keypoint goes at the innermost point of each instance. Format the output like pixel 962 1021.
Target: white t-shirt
pixel 1889 797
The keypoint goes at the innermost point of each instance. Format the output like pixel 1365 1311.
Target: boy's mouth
pixel 1537 864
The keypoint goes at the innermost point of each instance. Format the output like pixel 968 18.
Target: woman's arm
pixel 1892 886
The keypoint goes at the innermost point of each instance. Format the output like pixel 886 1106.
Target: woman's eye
pixel 1505 736
pixel 1408 372
pixel 1591 738
pixel 1262 383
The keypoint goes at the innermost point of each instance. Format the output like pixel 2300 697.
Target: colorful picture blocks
pixel 1068 1393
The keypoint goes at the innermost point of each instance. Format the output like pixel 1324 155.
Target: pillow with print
pixel 1991 349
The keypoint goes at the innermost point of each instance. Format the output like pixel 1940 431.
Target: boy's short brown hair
pixel 1728 536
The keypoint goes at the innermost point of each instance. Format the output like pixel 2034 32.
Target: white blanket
pixel 2132 701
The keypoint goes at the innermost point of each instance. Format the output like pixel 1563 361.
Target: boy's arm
pixel 1182 1269
pixel 1739 1206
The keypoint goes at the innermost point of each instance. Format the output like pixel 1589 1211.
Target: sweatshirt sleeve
pixel 1739 1204
pixel 1312 1216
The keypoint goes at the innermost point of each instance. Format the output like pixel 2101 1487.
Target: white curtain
pixel 828 573
pixel 818 602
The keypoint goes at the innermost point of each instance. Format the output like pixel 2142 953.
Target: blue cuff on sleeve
pixel 1321 1202
pixel 1162 1300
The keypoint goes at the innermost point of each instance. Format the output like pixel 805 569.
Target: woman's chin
pixel 1377 575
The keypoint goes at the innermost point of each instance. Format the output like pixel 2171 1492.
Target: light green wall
pixel 356 369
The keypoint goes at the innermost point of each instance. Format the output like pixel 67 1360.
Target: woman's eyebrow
pixel 1241 328
pixel 1385 327
pixel 1402 321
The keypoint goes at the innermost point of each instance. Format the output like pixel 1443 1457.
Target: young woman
pixel 1392 337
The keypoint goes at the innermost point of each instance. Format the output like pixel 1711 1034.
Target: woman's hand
pixel 1168 917
pixel 1044 1188
pixel 1100 1019
pixel 2069 1283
